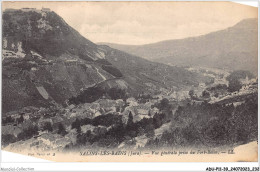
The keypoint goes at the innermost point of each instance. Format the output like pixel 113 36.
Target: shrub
pixel 7 120
pixel 8 138
pixel 205 94
pixel 149 131
pixel 47 126
pixel 28 133
pixel 61 130
pixel 234 79
pixel 106 120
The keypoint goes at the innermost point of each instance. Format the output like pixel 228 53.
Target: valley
pixel 92 124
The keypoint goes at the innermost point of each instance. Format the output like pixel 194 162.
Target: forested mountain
pixel 46 62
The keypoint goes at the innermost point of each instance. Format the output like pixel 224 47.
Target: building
pixel 28 9
pixel 46 10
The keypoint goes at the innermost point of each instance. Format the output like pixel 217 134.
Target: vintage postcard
pixel 130 81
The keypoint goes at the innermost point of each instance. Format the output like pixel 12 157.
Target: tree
pixel 100 131
pixel 149 131
pixel 140 131
pixel 47 126
pixel 159 120
pixel 8 119
pixel 234 85
pixel 106 120
pixel 28 133
pixel 8 138
pixel 79 129
pixel 132 134
pixel 117 108
pixel 234 79
pixel 75 124
pixel 164 103
pixel 61 130
pixel 21 119
pixel 130 126
pixel 191 93
pixel 118 131
pixel 205 94
pixel 130 121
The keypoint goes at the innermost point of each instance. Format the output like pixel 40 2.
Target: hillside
pixel 234 48
pixel 46 62
pixel 139 71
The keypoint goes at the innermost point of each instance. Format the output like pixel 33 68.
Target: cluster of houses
pixel 51 140
pixel 12 49
pixel 45 142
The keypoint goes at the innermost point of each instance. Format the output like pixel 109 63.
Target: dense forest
pixel 211 125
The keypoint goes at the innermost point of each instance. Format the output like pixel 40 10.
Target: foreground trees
pixel 211 125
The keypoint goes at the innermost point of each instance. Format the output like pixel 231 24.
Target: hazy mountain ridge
pixel 234 48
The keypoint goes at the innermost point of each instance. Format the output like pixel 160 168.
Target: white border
pixel 7 159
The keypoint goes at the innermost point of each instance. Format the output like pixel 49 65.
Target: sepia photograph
pixel 130 81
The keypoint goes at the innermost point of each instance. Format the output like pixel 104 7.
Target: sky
pixel 138 23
